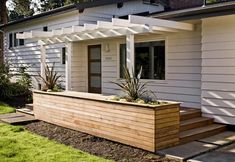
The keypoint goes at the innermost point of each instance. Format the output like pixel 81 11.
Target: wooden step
pixel 195 123
pixel 25 111
pixel 186 114
pixel 29 106
pixel 202 132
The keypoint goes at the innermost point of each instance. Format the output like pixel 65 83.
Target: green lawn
pixel 20 145
pixel 4 109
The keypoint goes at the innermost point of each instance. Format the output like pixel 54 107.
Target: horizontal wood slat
pixel 146 128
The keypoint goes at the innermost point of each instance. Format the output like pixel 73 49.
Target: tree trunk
pixel 3 20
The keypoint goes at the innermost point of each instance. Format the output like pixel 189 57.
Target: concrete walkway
pixel 219 148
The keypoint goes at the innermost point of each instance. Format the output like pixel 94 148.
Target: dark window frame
pixel 63 55
pixel 151 72
pixel 10 40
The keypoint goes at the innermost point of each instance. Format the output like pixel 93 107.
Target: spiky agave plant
pixel 51 77
pixel 132 85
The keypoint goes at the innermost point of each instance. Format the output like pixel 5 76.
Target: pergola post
pixel 43 60
pixel 68 66
pixel 130 53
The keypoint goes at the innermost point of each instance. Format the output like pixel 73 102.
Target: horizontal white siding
pixel 218 68
pixel 183 67
pixel 29 55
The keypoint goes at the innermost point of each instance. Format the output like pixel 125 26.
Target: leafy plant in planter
pixel 135 90
pixel 51 78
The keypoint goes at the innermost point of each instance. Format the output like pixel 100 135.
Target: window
pixel 63 56
pixel 14 42
pixel 45 28
pixel 21 41
pixel 10 40
pixel 149 55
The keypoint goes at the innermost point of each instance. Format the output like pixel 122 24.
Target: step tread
pixel 25 110
pixel 201 130
pixel 185 111
pixel 194 120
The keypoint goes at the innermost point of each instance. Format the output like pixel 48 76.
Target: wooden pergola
pixel 134 25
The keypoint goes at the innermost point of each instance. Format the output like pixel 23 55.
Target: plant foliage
pixel 50 77
pixel 132 85
pixel 9 89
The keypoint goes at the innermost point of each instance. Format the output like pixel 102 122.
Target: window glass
pixel 122 59
pixel 148 55
pixel 21 41
pixel 10 40
pixel 45 28
pixel 15 40
pixel 63 55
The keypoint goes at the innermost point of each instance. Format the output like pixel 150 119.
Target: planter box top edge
pixel 102 98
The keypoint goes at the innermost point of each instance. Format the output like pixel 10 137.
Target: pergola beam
pixel 118 27
pixel 160 22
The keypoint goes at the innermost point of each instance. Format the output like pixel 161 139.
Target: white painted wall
pixel 183 75
pixel 218 68
pixel 29 55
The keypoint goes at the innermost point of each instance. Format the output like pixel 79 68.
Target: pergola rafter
pixel 102 29
pixel 134 25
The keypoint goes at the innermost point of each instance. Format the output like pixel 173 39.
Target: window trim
pixel 156 81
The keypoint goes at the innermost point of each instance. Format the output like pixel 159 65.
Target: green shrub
pixel 9 89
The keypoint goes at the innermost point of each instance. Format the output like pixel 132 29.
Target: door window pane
pixel 95 67
pixel 95 53
pixel 95 81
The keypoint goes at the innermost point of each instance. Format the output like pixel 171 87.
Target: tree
pixel 47 5
pixel 21 9
pixel 3 20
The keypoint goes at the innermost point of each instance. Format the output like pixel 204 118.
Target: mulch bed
pixel 94 145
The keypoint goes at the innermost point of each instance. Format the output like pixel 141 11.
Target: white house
pixel 189 57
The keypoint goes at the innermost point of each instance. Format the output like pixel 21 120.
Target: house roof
pixel 73 7
pixel 218 9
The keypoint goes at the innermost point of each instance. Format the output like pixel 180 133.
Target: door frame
pixel 89 76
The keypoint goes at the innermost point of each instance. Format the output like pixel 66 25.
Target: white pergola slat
pixel 115 28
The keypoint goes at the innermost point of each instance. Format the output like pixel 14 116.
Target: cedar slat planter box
pixel 143 126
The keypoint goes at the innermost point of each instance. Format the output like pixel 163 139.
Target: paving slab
pixel 18 119
pixel 220 139
pixel 186 151
pixel 225 154
pixel 11 115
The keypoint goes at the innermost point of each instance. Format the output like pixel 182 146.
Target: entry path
pixel 16 118
pixel 219 148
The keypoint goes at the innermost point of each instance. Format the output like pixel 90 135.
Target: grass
pixel 4 109
pixel 19 145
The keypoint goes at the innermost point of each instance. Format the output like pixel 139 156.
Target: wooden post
pixel 130 55
pixel 43 59
pixel 69 48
